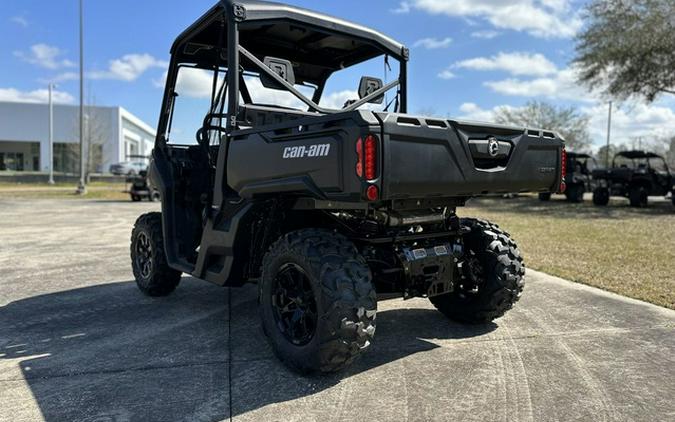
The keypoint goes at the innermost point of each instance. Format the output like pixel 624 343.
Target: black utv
pixel 325 205
pixel 635 175
pixel 140 188
pixel 578 177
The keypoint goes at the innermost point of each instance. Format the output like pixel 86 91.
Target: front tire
pixel 153 275
pixel 317 301
pixel 638 197
pixel 601 196
pixel 575 194
pixel 492 280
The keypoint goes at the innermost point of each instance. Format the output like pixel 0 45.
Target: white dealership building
pixel 112 135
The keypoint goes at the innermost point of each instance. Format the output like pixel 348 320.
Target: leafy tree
pixel 568 121
pixel 628 48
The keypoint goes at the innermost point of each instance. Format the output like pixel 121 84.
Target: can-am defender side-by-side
pixel 635 175
pixel 578 178
pixel 323 205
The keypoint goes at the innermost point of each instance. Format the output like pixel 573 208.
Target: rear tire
pixel 601 196
pixel 153 275
pixel 545 196
pixel 494 272
pixel 333 289
pixel 638 197
pixel 575 194
pixel 135 198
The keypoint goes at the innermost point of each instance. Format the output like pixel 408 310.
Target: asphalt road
pixel 78 342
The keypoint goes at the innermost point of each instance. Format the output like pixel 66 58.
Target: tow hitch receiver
pixel 429 271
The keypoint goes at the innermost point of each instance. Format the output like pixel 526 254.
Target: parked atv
pixel 578 178
pixel 635 175
pixel 324 207
pixel 140 188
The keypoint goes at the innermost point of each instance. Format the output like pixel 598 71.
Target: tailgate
pixel 425 157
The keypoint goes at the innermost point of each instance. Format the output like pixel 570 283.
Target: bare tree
pixel 628 48
pixel 95 132
pixel 568 121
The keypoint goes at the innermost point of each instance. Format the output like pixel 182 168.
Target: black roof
pixel 316 43
pixel 635 154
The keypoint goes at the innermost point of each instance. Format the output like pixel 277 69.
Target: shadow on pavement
pixel 108 353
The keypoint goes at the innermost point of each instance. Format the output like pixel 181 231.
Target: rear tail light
pixel 372 193
pixel 371 157
pixel 366 165
pixel 563 170
pixel 359 154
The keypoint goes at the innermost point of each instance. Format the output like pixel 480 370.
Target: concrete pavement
pixel 78 342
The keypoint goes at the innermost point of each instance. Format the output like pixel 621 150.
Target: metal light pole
pixel 609 129
pixel 81 187
pixel 51 135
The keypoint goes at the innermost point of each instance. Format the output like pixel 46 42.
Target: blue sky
pixel 467 56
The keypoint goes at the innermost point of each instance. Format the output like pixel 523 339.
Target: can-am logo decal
pixel 302 151
pixel 493 146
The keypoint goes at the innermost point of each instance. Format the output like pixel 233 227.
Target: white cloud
pixel 630 121
pixel 433 43
pixel 20 20
pixel 471 111
pixel 44 55
pixel 540 18
pixel 336 100
pixel 36 96
pixel 403 7
pixel 447 74
pixel 128 68
pixel 486 34
pixel 516 63
pixel 562 85
pixel 193 83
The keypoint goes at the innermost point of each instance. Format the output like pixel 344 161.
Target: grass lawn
pixel 95 190
pixel 617 248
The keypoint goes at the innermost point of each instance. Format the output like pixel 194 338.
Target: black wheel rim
pixel 473 277
pixel 144 255
pixel 294 304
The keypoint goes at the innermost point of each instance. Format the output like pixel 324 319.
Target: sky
pixel 467 57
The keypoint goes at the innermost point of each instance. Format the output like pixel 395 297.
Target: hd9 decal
pixel 302 151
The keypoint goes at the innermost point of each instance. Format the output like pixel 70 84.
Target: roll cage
pixel 239 35
pixel 639 155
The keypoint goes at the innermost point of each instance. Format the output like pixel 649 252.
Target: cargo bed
pixel 417 157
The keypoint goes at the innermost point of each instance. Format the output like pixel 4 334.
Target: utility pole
pixel 51 135
pixel 609 129
pixel 81 187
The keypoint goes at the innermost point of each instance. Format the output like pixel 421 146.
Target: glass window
pixel 276 97
pixel 192 103
pixel 336 97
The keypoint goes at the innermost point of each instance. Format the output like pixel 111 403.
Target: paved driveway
pixel 79 342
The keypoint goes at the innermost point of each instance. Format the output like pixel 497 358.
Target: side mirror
pixel 369 85
pixel 281 67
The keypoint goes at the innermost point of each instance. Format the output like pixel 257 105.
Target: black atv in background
pixel 325 207
pixel 635 175
pixel 579 178
pixel 140 188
